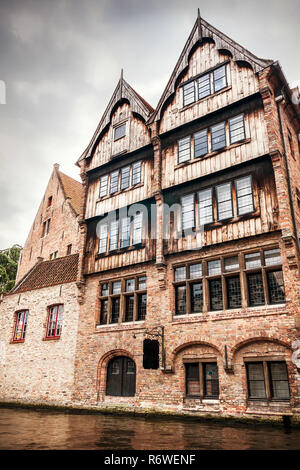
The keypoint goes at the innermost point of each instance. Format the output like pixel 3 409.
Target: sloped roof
pixel 49 273
pixel 73 190
pixel 137 104
pixel 203 30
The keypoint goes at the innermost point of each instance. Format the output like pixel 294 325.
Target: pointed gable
pixel 72 190
pixel 123 94
pixel 202 31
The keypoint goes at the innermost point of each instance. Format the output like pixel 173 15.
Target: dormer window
pixel 120 132
pixel 204 84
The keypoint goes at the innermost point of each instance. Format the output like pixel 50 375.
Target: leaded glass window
pixel 188 93
pixel 204 86
pixel 244 195
pixel 205 206
pixel 224 201
pixel 200 143
pixel 237 128
pixel 219 78
pixel 184 149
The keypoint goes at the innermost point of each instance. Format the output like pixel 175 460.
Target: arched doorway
pixel 121 376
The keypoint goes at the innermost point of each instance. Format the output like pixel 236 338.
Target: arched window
pixel 121 375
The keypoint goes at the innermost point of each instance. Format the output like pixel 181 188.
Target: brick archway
pixel 102 369
pixel 258 339
pixel 191 344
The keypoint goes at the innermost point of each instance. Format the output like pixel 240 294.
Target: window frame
pixel 268 387
pixel 123 294
pixel 202 363
pixel 57 328
pixel 239 270
pixel 17 320
pixel 116 128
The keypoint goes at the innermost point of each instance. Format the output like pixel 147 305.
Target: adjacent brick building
pixel 187 288
pixel 39 317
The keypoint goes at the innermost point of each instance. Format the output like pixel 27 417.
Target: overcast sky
pixel 61 59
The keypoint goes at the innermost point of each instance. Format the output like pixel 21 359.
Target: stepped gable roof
pixel 49 273
pixel 138 105
pixel 202 31
pixel 72 189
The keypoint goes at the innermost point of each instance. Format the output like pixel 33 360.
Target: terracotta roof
pixel 49 273
pixel 73 190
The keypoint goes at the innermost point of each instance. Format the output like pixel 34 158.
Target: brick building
pixel 39 317
pixel 188 252
pixel 194 309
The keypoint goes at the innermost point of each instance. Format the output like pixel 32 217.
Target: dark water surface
pixel 27 429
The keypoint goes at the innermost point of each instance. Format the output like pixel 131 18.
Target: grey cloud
pixel 61 61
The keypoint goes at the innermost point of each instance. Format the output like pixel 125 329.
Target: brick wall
pixel 64 228
pixel 38 370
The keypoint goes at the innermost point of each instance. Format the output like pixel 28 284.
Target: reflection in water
pixel 27 429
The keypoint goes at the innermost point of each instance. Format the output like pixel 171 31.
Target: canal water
pixel 44 430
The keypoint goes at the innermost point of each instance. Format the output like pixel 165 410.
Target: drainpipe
pixel 280 99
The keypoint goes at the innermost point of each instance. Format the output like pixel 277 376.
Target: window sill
pixel 17 341
pixel 212 154
pixel 51 338
pixel 111 327
pixel 121 191
pixel 231 314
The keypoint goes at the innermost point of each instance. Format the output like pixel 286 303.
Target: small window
pixel 21 325
pixel 180 294
pixel 180 274
pixel 200 143
pixel 256 289
pixel 120 132
pixel 276 287
pixel 234 294
pixel 205 207
pixel 137 236
pixel 237 129
pixel 231 264
pixel 46 227
pixel 103 311
pixel 184 149
pixel 218 136
pixel 196 297
pixel 219 78
pixel 216 294
pixel 114 182
pixel 136 173
pixel 244 195
pixel 125 232
pixel 187 212
pixel 103 186
pixel 214 267
pixel 129 308
pixel 49 204
pixel 252 260
pixel 116 287
pixel 141 307
pixel 54 326
pixel 142 283
pixel 115 309
pixel 202 380
pixel 272 257
pixel 150 354
pixel 103 238
pixel 114 235
pixel 130 285
pixel 195 271
pixel 104 289
pixel 224 201
pixel 267 380
pixel 125 177
pixel 204 86
pixel 188 93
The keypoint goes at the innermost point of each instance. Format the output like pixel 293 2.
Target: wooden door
pixel 121 377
